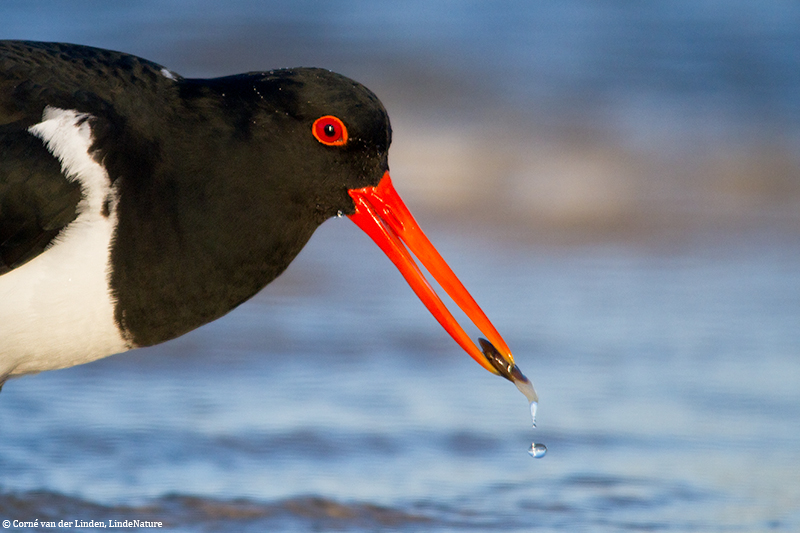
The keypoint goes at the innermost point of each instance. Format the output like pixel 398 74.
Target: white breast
pixel 57 310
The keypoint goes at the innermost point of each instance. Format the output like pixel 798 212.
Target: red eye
pixel 330 130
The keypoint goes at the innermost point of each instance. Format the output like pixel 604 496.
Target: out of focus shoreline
pixel 577 186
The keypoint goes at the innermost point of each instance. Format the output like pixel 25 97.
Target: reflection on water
pixel 331 402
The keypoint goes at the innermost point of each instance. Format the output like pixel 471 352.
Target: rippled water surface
pixel 668 385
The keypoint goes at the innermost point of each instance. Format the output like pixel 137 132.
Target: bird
pixel 137 205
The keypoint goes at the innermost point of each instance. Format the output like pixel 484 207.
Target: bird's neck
pixel 210 257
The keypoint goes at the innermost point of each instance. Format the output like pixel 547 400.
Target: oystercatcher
pixel 137 205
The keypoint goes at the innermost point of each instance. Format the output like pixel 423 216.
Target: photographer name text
pixel 68 524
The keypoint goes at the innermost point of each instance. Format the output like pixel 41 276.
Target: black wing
pixel 36 200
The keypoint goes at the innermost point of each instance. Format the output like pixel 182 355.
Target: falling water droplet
pixel 505 367
pixel 537 451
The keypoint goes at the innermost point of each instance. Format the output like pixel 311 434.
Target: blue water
pixel 667 368
pixel 668 385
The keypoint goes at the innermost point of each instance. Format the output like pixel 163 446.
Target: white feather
pixel 57 310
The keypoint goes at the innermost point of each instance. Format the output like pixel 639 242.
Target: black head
pixel 277 123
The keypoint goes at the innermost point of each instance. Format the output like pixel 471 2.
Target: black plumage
pixel 217 183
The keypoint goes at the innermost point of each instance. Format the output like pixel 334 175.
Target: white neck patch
pixel 57 310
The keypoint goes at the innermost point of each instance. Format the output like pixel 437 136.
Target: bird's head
pixel 340 133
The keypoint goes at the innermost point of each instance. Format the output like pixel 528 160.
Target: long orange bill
pixel 382 215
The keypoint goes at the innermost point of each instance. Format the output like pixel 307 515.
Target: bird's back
pixel 55 198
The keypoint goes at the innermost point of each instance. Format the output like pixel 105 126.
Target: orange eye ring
pixel 329 130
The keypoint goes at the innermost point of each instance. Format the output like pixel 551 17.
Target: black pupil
pixel 330 130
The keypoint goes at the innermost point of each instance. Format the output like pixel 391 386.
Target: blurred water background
pixel 618 184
